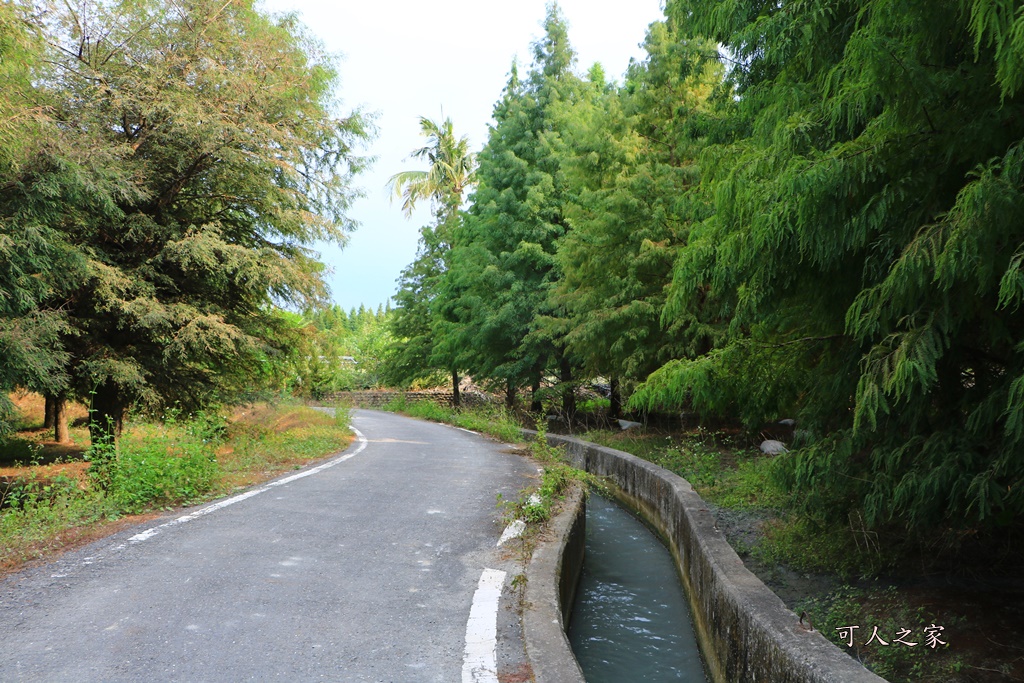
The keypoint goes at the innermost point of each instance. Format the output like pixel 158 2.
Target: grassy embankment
pixel 54 497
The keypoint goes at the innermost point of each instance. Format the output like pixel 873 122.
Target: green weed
pixel 535 506
pixel 172 466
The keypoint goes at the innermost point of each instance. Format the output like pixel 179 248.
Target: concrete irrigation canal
pixel 631 621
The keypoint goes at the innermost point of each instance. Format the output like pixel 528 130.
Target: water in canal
pixel 631 621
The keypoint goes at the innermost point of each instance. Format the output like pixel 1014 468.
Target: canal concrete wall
pixel 552 577
pixel 745 631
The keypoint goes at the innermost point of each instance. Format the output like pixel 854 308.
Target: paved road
pixel 363 571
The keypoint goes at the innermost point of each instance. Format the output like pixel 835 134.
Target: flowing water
pixel 631 621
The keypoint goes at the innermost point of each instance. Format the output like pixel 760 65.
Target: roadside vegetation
pixel 493 421
pixel 56 496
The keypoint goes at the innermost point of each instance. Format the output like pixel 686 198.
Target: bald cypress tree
pixel 630 158
pixel 503 262
pixel 863 261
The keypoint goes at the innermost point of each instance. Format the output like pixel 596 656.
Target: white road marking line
pixel 220 505
pixel 480 665
pixel 513 530
pixel 469 431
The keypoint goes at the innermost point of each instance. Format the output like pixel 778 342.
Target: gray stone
pixel 772 447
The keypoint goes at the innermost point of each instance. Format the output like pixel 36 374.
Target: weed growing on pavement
pixel 535 505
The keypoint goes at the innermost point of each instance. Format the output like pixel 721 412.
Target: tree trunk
pixel 106 414
pixel 48 411
pixel 510 395
pixel 536 406
pixel 456 397
pixel 61 432
pixel 615 409
pixel 568 391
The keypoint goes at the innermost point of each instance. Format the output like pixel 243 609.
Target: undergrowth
pixel 157 465
pixel 899 642
pixel 495 421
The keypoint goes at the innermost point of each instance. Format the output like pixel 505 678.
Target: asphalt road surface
pixel 364 570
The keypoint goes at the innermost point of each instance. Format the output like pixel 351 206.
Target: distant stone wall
pixel 379 399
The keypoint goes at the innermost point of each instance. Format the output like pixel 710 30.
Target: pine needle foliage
pixel 866 244
pixel 497 322
pixel 629 155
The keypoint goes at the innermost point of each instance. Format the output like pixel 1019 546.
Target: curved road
pixel 364 570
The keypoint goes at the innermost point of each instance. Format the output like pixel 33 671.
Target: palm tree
pixel 452 170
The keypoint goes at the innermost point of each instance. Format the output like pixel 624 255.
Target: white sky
pixel 405 59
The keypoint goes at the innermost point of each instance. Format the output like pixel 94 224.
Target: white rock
pixel 772 447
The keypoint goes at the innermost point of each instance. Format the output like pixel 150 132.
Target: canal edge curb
pixel 551 579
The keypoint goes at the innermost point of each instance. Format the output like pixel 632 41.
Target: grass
pixel 494 421
pixel 157 465
pixel 720 473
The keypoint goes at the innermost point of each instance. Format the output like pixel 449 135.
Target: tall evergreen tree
pixel 864 256
pixel 41 179
pixel 503 262
pixel 630 159
pixel 216 156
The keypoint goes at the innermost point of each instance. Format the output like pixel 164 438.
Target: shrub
pixel 171 467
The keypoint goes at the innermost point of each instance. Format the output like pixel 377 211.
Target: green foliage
pixel 450 171
pixel 35 512
pixel 493 299
pixel 808 545
pixel 332 351
pixel 629 156
pixel 168 466
pixel 858 270
pixel 181 163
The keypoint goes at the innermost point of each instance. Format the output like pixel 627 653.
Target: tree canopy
pixel 800 210
pixel 196 151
